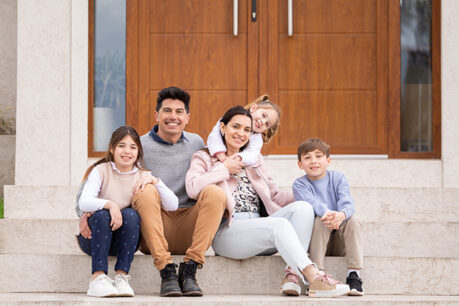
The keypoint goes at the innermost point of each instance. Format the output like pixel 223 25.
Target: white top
pixel 249 155
pixel 89 201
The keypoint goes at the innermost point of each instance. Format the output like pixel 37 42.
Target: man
pixel 190 229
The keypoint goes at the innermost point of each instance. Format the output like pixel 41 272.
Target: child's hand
pixel 85 230
pixel 232 164
pixel 221 156
pixel 115 215
pixel 328 219
pixel 140 185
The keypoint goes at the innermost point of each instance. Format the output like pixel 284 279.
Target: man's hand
pixel 140 185
pixel 85 230
pixel 232 164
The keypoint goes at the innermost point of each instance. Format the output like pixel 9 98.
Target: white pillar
pixel 52 100
pixel 450 92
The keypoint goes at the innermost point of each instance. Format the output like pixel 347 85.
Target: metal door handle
pixel 235 17
pixel 254 10
pixel 290 17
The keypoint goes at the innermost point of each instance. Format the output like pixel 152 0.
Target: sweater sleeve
pixel 345 203
pixel 89 201
pixel 169 200
pixel 199 175
pixel 250 154
pixel 304 192
pixel 214 141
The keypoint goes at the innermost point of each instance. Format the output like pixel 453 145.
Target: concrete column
pixel 43 92
pixel 450 92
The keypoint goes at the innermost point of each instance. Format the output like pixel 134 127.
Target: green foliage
pixel 1 208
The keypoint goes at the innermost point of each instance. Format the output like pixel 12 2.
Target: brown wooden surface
pixel 337 78
pixel 332 74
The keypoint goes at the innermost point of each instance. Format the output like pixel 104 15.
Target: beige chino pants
pixel 346 241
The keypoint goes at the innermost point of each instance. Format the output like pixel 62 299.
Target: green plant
pixel 1 208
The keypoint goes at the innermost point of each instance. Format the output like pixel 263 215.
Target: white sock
pixel 351 270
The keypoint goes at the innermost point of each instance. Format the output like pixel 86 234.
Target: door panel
pixel 190 44
pixel 330 77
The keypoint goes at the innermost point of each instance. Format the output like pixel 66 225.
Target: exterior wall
pixel 52 88
pixel 450 92
pixel 8 39
pixel 51 102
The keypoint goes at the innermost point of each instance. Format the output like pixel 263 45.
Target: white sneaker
pixel 122 285
pixel 102 286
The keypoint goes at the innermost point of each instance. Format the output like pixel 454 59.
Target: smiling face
pixel 236 133
pixel 263 118
pixel 125 154
pixel 315 164
pixel 172 119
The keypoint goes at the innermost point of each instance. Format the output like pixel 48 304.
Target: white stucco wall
pixel 52 94
pixel 450 92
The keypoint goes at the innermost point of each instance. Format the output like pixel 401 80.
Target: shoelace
pixel 327 279
pixel 291 276
pixel 123 277
pixel 190 271
pixel 169 272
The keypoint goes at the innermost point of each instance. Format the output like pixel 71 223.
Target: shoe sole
pixel 328 293
pixel 291 289
pixel 354 292
pixel 192 293
pixel 174 293
pixel 103 296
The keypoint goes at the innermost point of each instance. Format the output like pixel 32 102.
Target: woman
pixel 244 233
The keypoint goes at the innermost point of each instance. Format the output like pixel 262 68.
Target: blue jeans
pixel 121 243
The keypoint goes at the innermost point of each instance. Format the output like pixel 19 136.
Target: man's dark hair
pixel 173 93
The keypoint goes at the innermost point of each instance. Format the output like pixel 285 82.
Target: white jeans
pixel 288 231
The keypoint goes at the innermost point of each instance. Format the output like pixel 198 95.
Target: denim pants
pixel 288 231
pixel 121 243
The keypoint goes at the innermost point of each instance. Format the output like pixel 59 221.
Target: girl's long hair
pixel 117 136
pixel 264 102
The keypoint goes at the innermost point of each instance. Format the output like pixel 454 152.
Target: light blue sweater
pixel 328 193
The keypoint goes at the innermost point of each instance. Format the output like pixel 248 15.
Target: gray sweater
pixel 170 162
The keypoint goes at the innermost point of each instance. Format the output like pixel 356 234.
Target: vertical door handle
pixel 235 17
pixel 290 17
pixel 254 10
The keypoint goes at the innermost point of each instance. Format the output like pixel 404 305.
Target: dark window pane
pixel 109 69
pixel 416 75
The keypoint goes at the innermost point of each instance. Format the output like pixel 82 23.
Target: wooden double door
pixel 330 77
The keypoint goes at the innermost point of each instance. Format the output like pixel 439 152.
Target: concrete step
pixel 372 204
pixel 57 299
pixel 370 173
pixel 400 239
pixel 260 275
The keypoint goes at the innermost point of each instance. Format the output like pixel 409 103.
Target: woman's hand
pixel 115 215
pixel 233 164
pixel 85 230
pixel 140 185
pixel 221 156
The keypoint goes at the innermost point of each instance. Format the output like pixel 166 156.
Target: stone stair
pixel 411 248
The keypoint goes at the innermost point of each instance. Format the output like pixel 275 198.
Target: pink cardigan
pixel 205 170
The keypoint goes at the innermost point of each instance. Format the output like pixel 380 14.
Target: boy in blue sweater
pixel 336 231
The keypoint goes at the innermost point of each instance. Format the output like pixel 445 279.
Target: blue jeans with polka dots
pixel 121 243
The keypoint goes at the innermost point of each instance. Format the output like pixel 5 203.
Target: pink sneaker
pixel 290 284
pixel 325 286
